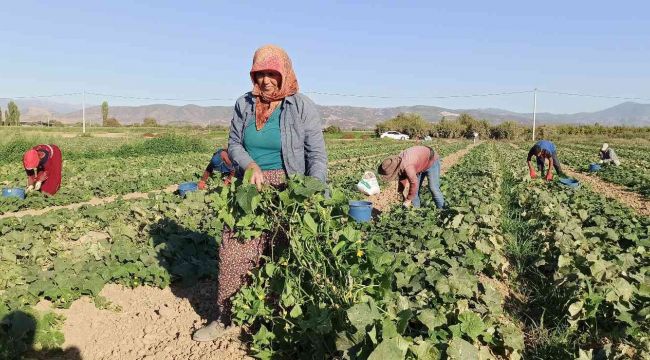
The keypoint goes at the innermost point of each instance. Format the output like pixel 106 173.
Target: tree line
pixel 464 126
pixel 11 115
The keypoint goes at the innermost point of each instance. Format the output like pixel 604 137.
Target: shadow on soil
pixel 18 330
pixel 190 257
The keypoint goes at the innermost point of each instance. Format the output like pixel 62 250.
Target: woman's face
pixel 268 81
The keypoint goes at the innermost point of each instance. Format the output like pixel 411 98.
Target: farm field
pixel 513 269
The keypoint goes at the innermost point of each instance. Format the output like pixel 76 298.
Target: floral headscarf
pixel 271 57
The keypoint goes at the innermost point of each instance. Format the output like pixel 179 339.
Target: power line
pixel 157 99
pixel 40 96
pixel 592 96
pixel 420 97
pixel 554 92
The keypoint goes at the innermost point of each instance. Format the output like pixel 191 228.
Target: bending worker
pixel 608 155
pixel 43 165
pixel 544 150
pixel 411 166
pixel 220 162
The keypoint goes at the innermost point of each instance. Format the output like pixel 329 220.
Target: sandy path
pixel 151 324
pixel 612 191
pixel 91 202
pixel 389 195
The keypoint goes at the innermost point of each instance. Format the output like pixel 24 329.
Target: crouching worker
pixel 544 150
pixel 43 165
pixel 608 155
pixel 410 167
pixel 220 162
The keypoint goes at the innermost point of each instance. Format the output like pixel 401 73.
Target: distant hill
pixel 628 113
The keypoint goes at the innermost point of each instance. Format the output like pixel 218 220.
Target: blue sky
pixel 397 49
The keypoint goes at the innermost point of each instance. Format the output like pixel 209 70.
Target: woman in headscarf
pixel 43 165
pixel 275 131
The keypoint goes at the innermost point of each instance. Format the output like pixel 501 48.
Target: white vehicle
pixel 394 135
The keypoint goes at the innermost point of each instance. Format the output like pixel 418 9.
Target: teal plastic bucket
pixel 13 192
pixel 184 188
pixel 570 182
pixel 360 211
pixel 594 167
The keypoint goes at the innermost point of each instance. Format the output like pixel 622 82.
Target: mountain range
pixel 628 113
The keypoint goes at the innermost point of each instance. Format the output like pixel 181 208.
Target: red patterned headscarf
pixel 274 58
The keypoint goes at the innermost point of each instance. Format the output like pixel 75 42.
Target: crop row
pixel 88 178
pixel 66 254
pixel 415 283
pixel 633 174
pixel 582 264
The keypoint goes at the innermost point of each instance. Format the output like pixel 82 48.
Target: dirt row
pixel 91 202
pixel 145 323
pixel 619 193
pixel 631 199
pixel 389 195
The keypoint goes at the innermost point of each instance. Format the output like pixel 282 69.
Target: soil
pixel 146 323
pixel 612 191
pixel 91 202
pixel 389 195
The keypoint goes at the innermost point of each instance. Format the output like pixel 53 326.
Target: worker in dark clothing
pixel 544 150
pixel 220 162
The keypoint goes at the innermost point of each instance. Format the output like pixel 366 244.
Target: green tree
pixel 410 124
pixel 104 113
pixel 332 129
pixel 14 113
pixel 7 118
pixel 150 122
pixel 2 119
pixel 112 122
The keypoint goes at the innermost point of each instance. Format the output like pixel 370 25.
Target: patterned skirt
pixel 237 259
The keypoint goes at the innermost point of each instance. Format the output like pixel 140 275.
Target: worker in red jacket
pixel 411 167
pixel 43 165
pixel 220 162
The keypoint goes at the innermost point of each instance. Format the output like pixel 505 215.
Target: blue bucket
pixel 594 167
pixel 13 192
pixel 360 211
pixel 570 182
pixel 184 188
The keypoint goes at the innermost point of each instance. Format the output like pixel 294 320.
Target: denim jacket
pixel 303 145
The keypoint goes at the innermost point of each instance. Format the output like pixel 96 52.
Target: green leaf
pixel 311 224
pixel 263 336
pixel 295 311
pixel 431 319
pixel 245 195
pixel 575 308
pixel 457 220
pixel 513 337
pixel 425 350
pixel 362 315
pixel 394 349
pixel 471 324
pixel 388 329
pixel 460 349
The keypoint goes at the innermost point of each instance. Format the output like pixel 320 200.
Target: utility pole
pixel 534 110
pixel 83 111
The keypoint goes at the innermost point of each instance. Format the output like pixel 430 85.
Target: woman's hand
pixel 258 177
